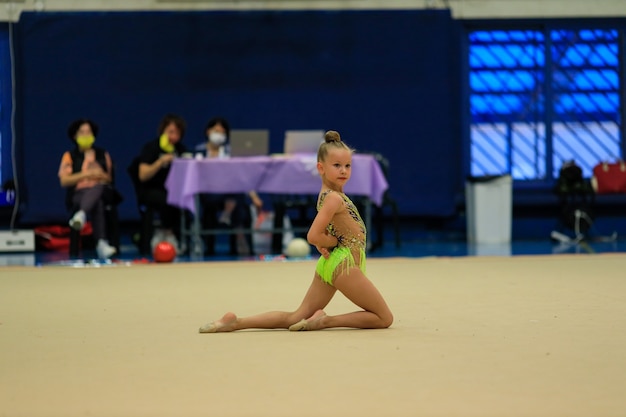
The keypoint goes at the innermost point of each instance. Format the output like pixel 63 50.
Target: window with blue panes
pixel 542 97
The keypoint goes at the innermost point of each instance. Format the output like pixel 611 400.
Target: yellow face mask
pixel 85 141
pixel 165 144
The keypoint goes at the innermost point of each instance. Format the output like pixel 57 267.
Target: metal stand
pixel 579 239
pixel 193 234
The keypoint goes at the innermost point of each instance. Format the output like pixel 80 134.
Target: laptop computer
pixel 303 141
pixel 249 142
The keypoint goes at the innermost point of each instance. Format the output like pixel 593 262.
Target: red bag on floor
pixel 609 178
pixel 57 238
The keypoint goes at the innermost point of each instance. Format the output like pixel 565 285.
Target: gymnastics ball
pixel 164 252
pixel 298 248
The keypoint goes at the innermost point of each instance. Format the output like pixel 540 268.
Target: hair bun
pixel 332 136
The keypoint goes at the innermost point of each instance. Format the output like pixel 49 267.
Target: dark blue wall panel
pixel 6 171
pixel 389 81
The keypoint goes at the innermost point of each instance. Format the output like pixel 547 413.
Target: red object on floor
pixel 141 261
pixel 57 237
pixel 164 252
pixel 610 178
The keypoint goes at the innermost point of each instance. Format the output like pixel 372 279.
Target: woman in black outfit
pixel 154 166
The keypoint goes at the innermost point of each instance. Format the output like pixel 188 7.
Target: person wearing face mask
pixel 85 171
pixel 216 144
pixel 154 166
pixel 232 208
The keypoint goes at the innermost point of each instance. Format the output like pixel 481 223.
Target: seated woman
pixel 154 166
pixel 85 171
pixel 233 207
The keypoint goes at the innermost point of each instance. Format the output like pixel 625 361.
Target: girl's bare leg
pixel 316 298
pixel 360 290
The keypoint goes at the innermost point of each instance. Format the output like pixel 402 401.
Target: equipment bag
pixel 57 238
pixel 609 178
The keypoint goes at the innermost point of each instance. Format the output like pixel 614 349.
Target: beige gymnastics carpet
pixel 521 336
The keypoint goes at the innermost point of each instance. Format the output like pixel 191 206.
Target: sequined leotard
pixel 349 229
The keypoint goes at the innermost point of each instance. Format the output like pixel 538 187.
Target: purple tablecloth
pixel 273 175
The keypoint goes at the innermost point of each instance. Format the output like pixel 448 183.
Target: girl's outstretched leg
pixel 226 324
pixel 360 290
pixel 316 298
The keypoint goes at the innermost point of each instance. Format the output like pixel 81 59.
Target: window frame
pixel 546 26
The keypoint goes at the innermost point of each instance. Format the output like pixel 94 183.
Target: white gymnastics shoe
pixel 78 220
pixel 104 250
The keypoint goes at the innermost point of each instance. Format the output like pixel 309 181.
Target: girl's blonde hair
pixel 332 140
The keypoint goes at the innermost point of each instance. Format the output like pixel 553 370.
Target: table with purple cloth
pixel 293 174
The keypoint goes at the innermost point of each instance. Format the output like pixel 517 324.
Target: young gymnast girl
pixel 338 233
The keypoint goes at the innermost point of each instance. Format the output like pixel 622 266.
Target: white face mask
pixel 217 138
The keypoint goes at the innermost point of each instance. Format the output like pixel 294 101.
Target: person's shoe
pixel 78 220
pixel 104 250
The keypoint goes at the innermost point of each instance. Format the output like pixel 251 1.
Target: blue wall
pixel 6 171
pixel 389 81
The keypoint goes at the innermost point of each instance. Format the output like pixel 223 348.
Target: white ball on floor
pixel 298 248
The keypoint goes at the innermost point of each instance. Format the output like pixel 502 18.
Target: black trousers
pixel 90 201
pixel 212 204
pixel 157 199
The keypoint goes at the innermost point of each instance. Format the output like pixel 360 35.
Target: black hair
pixel 218 121
pixel 170 118
pixel 73 128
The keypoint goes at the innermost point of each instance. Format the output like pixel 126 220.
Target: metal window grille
pixel 542 97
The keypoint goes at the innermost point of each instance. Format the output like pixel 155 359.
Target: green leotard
pixel 349 229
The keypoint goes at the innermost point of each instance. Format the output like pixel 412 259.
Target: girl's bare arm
pixel 318 234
